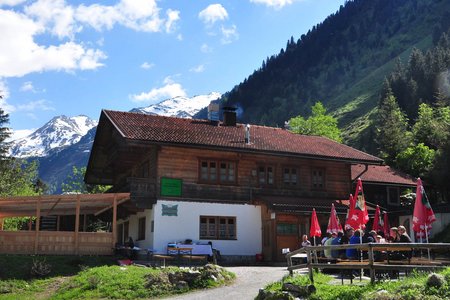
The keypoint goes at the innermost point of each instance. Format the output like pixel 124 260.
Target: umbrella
pixel 315 227
pixel 423 214
pixel 333 223
pixel 376 220
pixel 358 215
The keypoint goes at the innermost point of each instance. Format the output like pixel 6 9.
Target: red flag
pixel 347 225
pixel 333 221
pixel 315 227
pixel 376 220
pixel 423 213
pixel 386 227
pixel 358 215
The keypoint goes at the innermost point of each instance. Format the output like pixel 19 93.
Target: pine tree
pixel 392 134
pixel 4 135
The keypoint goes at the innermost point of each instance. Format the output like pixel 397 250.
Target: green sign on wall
pixel 171 187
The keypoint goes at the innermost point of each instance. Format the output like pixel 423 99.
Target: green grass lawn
pixel 99 277
pixel 328 288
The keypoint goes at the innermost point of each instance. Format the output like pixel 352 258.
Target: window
pixel 141 229
pixel 393 196
pixel 218 228
pixel 290 176
pixel 287 229
pixel 265 175
pixel 318 179
pixel 217 171
pixel 144 170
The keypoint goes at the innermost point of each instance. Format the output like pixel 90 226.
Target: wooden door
pixel 268 240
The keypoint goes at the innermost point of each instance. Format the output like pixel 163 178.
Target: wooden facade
pixel 274 168
pixel 75 242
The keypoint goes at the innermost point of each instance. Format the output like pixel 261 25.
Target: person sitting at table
pixel 305 241
pixel 352 253
pixel 404 237
pixel 329 241
pixel 337 241
pixel 394 236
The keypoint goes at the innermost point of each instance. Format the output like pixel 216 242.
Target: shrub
pixel 40 268
pixel 435 280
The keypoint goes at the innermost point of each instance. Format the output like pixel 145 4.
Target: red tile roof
pixel 170 130
pixel 382 174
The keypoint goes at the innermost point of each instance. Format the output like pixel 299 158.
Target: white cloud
pixel 54 15
pixel 147 65
pixel 198 69
pixel 205 48
pixel 213 13
pixel 21 55
pixel 172 17
pixel 35 105
pixel 180 37
pixel 140 15
pixel 27 87
pixel 11 2
pixel 274 3
pixel 229 34
pixel 4 92
pixel 169 90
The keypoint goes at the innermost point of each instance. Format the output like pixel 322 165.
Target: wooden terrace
pixel 77 242
pixel 370 263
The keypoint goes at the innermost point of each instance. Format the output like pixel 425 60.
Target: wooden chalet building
pixel 247 189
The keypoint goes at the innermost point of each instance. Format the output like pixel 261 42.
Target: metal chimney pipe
pixel 247 134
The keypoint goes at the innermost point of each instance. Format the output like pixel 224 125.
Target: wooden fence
pixel 421 263
pixel 56 243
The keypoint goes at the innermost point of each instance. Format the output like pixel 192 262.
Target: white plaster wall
pixel 442 220
pixel 187 226
pixel 134 225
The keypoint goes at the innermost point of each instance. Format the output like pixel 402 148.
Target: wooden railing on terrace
pixel 56 243
pixel 425 263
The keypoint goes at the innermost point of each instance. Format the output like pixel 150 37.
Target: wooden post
pixel 310 270
pixel 38 223
pixel 371 259
pixel 1 224
pixel 114 222
pixel 77 224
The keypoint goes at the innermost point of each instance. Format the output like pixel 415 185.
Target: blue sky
pixel 76 57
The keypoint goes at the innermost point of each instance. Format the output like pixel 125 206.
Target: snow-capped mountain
pixel 57 134
pixel 182 107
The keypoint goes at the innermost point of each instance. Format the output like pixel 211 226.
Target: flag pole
pixel 426 238
pixel 360 250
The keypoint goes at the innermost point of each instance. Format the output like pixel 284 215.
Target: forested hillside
pixel 341 62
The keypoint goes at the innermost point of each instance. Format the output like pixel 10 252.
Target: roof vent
pixel 213 112
pixel 229 116
pixel 247 134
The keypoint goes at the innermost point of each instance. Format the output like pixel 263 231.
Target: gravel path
pixel 248 282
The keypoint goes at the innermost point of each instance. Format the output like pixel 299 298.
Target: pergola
pixel 59 242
